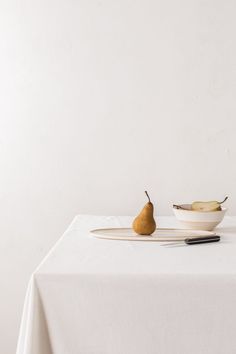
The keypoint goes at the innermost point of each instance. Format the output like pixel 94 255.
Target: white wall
pixel 100 100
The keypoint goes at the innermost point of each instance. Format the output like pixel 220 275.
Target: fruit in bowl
pixel 200 215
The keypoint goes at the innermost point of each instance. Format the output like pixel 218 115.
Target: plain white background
pixel 100 100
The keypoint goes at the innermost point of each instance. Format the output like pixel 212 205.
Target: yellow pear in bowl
pixel 208 206
pixel 144 223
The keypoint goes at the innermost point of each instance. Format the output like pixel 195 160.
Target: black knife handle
pixel 205 239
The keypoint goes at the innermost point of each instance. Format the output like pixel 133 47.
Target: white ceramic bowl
pixel 198 220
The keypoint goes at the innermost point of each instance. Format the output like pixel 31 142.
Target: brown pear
pixel 144 223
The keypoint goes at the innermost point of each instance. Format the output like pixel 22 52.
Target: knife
pixel 205 239
pixel 196 240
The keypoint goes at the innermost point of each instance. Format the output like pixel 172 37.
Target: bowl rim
pixel 223 209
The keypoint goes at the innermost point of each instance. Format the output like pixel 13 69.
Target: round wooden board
pixel 160 235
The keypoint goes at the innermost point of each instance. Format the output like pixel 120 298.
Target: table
pixel 94 296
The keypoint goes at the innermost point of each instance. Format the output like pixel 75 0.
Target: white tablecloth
pixel 94 296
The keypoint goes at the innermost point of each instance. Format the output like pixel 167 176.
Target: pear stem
pixel 148 196
pixel 224 200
